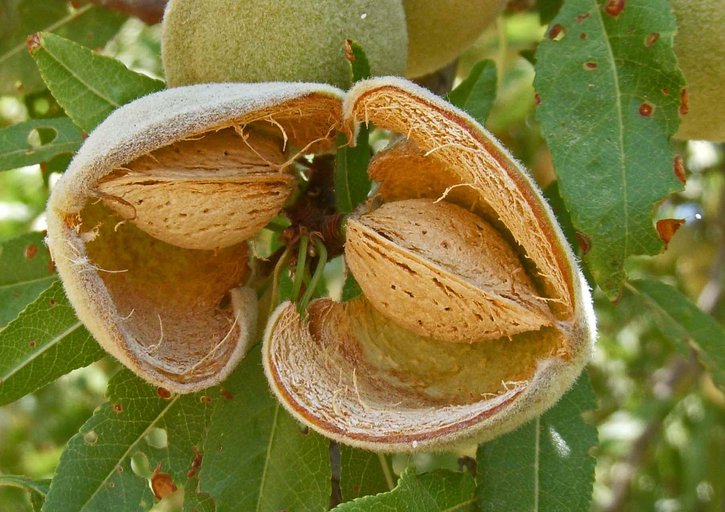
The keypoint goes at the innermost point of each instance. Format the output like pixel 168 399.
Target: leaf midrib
pixel 32 356
pixel 27 151
pixel 131 446
pixel 53 26
pixel 88 86
pixel 263 481
pixel 620 129
pixel 537 462
pixel 30 281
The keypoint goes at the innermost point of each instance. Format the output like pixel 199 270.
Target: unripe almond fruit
pixel 441 30
pixel 259 41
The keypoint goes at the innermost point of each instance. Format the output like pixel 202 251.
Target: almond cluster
pixel 473 317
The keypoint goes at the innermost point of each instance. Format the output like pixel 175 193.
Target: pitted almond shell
pixel 210 192
pixel 147 226
pixel 361 372
pixel 441 271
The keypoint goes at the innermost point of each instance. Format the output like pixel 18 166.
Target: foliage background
pixel 660 418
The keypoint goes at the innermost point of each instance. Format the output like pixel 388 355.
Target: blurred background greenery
pixel 661 421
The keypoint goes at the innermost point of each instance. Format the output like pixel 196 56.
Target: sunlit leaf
pixel 437 491
pixel 350 288
pixel 16 150
pixel 477 92
pixel 88 25
pixel 684 323
pixel 160 432
pixel 44 342
pixel 88 86
pixel 256 457
pixel 608 89
pixel 544 466
pixel 25 271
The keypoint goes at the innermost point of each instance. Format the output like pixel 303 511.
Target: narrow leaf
pixel 548 9
pixel 363 473
pixel 684 323
pixel 88 25
pixel 43 343
pixel 17 151
pixel 267 461
pixel 350 288
pixel 88 86
pixel 608 89
pixel 25 271
pixel 545 465
pixel 359 64
pixel 352 183
pixel 477 92
pixel 139 421
pixel 437 491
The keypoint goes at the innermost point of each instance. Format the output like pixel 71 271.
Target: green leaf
pixel 609 89
pixel 352 183
pixel 195 502
pixel 139 422
pixel 37 488
pixel 16 150
pixel 545 465
pixel 43 343
pixel 350 288
pixel 548 9
pixel 477 92
pixel 363 473
pixel 25 271
pixel 437 491
pixel 684 323
pixel 88 25
pixel 88 86
pixel 359 63
pixel 257 457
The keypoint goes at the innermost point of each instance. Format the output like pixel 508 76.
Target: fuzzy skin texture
pixel 700 49
pixel 259 41
pixel 134 130
pixel 439 31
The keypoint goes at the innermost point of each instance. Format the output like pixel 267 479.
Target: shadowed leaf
pixel 683 322
pixel 545 465
pixel 276 465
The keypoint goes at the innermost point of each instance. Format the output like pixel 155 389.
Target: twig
pixel 712 292
pixel 148 11
pixel 441 81
pixel 679 370
pixel 335 474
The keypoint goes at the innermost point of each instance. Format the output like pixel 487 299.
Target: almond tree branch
pixel 712 292
pixel 681 371
pixel 148 11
